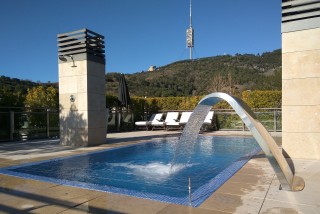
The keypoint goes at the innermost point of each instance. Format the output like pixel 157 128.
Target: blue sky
pixel 138 33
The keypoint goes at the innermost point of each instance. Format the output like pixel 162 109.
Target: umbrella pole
pixel 119 118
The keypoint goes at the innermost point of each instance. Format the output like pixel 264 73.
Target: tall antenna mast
pixel 190 14
pixel 190 34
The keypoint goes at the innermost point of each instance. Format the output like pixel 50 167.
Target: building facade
pixel 301 78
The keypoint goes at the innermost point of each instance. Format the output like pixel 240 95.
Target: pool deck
pixel 253 189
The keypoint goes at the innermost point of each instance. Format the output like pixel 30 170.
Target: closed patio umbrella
pixel 123 97
pixel 123 92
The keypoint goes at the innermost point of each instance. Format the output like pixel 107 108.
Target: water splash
pixel 185 146
pixel 155 171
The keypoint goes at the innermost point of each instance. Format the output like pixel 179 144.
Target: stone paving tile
pixel 22 203
pixel 55 198
pixel 251 171
pixel 271 206
pixel 115 203
pixel 177 209
pixel 309 170
pixel 2 165
pixel 251 168
pixel 308 196
pixel 98 205
pixel 14 185
pixel 65 193
pixel 77 211
pixel 65 204
pixel 233 203
pixel 7 162
pixel 259 160
pixel 251 179
pixel 240 189
pixel 245 191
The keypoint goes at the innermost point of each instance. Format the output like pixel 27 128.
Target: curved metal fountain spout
pixel 280 165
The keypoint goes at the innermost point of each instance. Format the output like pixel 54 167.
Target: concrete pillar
pixel 82 88
pixel 301 79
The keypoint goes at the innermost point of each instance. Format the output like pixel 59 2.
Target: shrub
pixel 262 99
pixel 255 99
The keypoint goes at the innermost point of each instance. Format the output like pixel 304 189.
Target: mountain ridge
pixel 224 73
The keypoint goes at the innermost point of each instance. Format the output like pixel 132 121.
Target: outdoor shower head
pixel 64 59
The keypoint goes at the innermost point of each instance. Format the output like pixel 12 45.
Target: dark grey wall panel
pixel 300 15
pixel 81 42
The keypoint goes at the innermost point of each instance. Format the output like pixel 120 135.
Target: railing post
pixel 274 120
pixel 11 125
pixel 48 122
pixel 189 189
pixel 118 118
pixel 108 114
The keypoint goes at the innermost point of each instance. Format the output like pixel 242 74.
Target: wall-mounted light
pixel 64 59
pixel 72 98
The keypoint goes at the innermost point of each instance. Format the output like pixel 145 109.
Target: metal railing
pixel 30 123
pixel 228 120
pixel 120 120
pixel 270 118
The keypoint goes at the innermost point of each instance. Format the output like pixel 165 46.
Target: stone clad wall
pixel 82 122
pixel 301 93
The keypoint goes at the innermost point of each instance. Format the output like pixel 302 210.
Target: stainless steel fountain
pixel 280 165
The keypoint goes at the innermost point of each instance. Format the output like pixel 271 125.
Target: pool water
pixel 145 170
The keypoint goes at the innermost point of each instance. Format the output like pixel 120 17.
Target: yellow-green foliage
pixel 173 103
pixel 255 99
pixel 188 103
pixel 41 97
pixel 262 99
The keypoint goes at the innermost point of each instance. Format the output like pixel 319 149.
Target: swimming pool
pixel 144 170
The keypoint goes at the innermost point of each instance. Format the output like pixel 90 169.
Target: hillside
pixel 232 74
pixel 13 90
pixel 226 73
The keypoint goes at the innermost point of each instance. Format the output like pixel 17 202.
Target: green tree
pixel 11 99
pixel 41 97
pixel 37 98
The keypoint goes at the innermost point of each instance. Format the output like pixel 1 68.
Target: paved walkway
pixel 253 189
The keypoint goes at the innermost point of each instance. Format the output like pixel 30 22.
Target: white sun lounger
pixel 147 124
pixel 179 123
pixel 208 120
pixel 184 118
pixel 170 118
